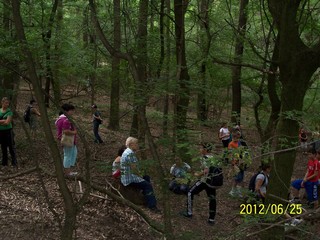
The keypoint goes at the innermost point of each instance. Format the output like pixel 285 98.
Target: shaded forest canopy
pixel 169 73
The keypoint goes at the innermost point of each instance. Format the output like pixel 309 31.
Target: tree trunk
pixel 266 134
pixel 236 70
pixel 297 64
pixel 70 211
pixel 46 37
pixel 94 63
pixel 10 79
pixel 183 78
pixel 273 96
pixel 205 42
pixel 57 50
pixel 115 84
pixel 167 66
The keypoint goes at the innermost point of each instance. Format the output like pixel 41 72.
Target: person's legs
pixel 11 148
pixel 295 188
pixel 4 147
pixel 147 191
pixel 73 155
pixel 67 158
pixel 225 143
pixel 312 193
pixel 4 150
pixel 96 132
pixel 211 193
pixel 147 178
pixel 195 189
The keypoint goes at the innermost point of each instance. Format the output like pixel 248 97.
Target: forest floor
pixel 24 212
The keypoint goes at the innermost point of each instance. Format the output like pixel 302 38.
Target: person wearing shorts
pixel 310 180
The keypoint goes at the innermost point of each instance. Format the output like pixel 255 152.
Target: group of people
pixel 126 167
pixel 63 126
pixel 6 129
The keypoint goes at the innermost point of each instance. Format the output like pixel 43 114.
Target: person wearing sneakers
pixel 309 182
pixel 202 184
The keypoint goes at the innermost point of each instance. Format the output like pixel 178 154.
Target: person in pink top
pixel 63 125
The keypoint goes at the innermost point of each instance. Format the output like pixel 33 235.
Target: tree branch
pixel 215 60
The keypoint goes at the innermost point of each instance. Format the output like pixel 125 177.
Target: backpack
pixel 27 114
pixel 215 177
pixel 252 183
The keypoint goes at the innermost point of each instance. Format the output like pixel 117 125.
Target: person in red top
pixel 310 180
pixel 235 143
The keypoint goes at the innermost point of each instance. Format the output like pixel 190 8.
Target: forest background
pixel 174 70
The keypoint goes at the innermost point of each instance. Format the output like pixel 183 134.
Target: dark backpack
pixel 27 114
pixel 252 183
pixel 215 177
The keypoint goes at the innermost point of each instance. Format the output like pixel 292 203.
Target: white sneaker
pixel 232 193
pixel 295 200
pixel 71 174
pixel 295 222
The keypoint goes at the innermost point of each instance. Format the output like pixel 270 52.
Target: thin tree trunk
pixel 273 96
pixel 46 37
pixel 236 70
pixel 167 67
pixel 10 79
pixel 183 78
pixel 115 84
pixel 205 42
pixel 70 210
pixel 56 62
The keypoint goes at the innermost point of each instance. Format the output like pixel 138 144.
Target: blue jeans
pixel 96 132
pixel 147 191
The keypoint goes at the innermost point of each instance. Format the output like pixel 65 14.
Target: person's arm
pixel 305 179
pixel 66 128
pixel 97 116
pixel 258 187
pixel 220 135
pixel 133 163
pixel 204 172
pixel 35 111
pixel 6 121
